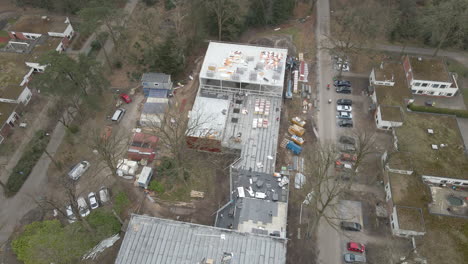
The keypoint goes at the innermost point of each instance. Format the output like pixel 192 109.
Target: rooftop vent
pixel 253 76
pixel 210 74
pixel 259 66
pixel 250 58
pixel 240 70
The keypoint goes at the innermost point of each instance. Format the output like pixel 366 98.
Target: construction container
pixel 296 130
pixel 296 149
pixel 298 121
pixel 297 140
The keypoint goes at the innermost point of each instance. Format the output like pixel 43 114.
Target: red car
pixel 126 98
pixel 356 247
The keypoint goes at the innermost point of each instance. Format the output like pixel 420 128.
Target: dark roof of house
pixel 391 113
pixel 155 240
pixel 158 93
pixel 155 77
pixel 429 69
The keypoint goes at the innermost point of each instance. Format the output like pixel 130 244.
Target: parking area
pixel 455 102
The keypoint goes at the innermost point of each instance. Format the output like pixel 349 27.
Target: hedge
pixel 446 111
pixel 28 160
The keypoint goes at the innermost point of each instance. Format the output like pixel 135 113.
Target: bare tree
pixel 365 145
pixel 173 129
pixel 224 11
pixel 110 146
pixel 354 28
pixel 321 189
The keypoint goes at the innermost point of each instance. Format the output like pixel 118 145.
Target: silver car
pixel 83 207
pixel 354 258
pixel 78 170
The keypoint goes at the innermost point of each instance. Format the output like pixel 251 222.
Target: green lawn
pixel 3 33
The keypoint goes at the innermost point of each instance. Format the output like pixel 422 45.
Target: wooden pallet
pixel 284 143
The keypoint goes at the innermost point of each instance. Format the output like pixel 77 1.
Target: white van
pixel 145 177
pixel 78 170
pixel 119 113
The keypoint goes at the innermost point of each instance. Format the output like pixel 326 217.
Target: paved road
pixel 459 56
pixel 13 209
pixel 327 238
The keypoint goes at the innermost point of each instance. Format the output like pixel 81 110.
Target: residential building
pixel 8 117
pixel 429 76
pixel 143 146
pixel 153 112
pixel 155 240
pixel 390 94
pixel 238 107
pixel 426 171
pixel 155 81
pixel 30 27
pixel 14 77
pixel 238 69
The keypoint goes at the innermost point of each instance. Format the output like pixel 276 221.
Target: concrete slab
pixel 351 211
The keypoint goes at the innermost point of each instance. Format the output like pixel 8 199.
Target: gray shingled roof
pixel 154 108
pixel 155 240
pixel 155 77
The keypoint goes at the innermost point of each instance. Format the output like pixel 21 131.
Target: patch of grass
pixel 156 186
pixel 12 20
pixel 7 147
pixel 3 33
pixel 436 110
pixel 50 242
pixel 460 69
pixel 28 160
pixel 121 201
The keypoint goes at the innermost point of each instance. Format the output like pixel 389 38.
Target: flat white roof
pixel 244 63
pixel 208 117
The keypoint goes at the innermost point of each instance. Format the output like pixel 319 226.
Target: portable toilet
pixel 145 177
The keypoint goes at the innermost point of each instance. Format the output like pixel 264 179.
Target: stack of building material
pixel 262 107
pixel 296 75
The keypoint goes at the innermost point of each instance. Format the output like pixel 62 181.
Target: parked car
pixel 347 148
pixel 345 67
pixel 347 140
pixel 353 258
pixel 350 226
pixel 356 247
pixel 125 97
pixel 83 207
pixel 345 123
pixel 78 170
pixel 343 89
pixel 345 108
pixel 93 200
pixel 348 157
pixel 104 194
pixel 344 115
pixel 342 83
pixel 344 102
pixel 118 114
pixel 70 215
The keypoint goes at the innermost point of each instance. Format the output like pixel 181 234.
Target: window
pixel 156 84
pixel 424 85
pixel 238 101
pixel 442 86
pixel 435 86
pixel 457 183
pixel 449 94
pixel 417 84
pixel 420 92
pixel 393 226
pixel 234 120
pixel 385 127
pixel 465 183
pixel 443 181
pixel 431 93
pixel 414 91
pixel 236 110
